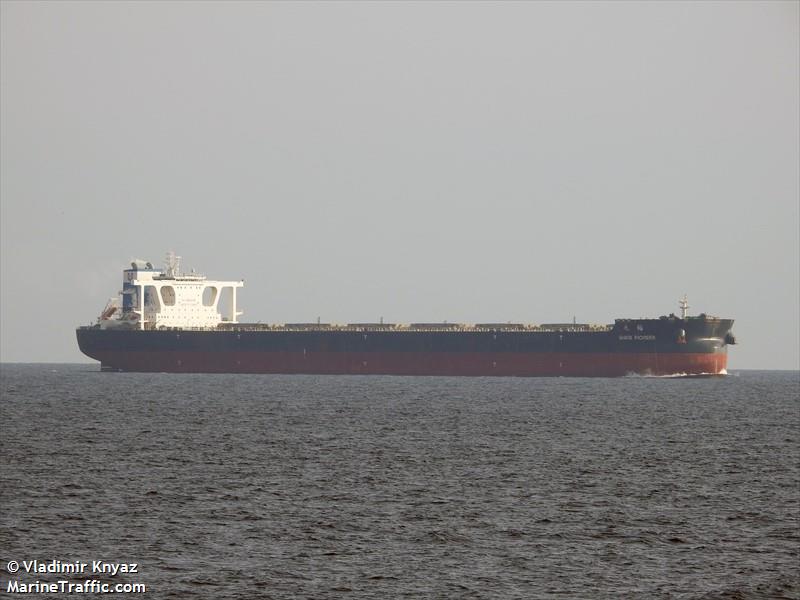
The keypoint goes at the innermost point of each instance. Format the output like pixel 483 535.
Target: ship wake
pixel 722 373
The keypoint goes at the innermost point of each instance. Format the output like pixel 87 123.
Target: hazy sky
pixel 416 161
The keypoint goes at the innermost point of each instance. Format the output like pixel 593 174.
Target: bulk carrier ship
pixel 165 321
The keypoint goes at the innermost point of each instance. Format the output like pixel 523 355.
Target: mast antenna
pixel 172 265
pixel 684 304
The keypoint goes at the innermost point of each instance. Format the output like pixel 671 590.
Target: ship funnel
pixel 140 265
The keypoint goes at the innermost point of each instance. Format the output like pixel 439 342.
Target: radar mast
pixel 684 304
pixel 172 265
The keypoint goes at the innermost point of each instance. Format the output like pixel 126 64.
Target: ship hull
pixel 462 364
pixel 645 347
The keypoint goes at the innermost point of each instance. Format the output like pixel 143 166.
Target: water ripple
pixel 373 487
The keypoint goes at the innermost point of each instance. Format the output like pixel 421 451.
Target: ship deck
pixel 420 327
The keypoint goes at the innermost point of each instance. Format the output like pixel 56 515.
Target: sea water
pixel 268 486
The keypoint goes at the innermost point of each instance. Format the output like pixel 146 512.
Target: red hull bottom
pixel 433 363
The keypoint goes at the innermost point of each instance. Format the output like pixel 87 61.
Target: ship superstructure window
pixel 209 296
pixel 168 295
pixel 151 298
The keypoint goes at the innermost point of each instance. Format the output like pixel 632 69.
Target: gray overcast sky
pixel 417 161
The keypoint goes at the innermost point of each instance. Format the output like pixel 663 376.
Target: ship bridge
pixel 155 298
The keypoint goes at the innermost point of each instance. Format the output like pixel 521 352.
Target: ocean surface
pixel 265 486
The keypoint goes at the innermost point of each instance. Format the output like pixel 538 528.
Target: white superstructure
pixel 164 298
